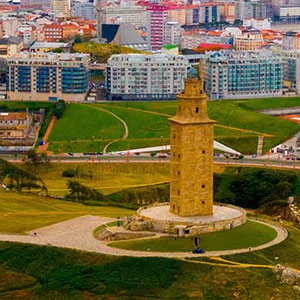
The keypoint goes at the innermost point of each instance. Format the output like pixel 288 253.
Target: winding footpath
pixel 78 234
pixel 125 135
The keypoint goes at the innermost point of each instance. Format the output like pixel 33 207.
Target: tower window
pixel 179 108
pixel 178 192
pixel 174 136
pixel 178 155
pixel 203 186
pixel 203 151
pixel 203 202
pixel 197 110
pixel 178 173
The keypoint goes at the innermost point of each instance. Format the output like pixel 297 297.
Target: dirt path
pixel 78 234
pixel 125 135
pixel 43 148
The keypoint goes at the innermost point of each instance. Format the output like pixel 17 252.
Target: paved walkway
pixel 78 234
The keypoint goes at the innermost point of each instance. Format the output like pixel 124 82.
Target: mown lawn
pixel 49 273
pixel 239 114
pixel 83 128
pixel 287 252
pixel 87 128
pixel 20 212
pixel 250 234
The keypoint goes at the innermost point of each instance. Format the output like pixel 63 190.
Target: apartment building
pixel 249 40
pixel 291 70
pixel 47 77
pixel 145 77
pixel 291 40
pixel 242 74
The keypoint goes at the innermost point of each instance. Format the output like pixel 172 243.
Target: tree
pixel 59 108
pixel 57 50
pixel 81 193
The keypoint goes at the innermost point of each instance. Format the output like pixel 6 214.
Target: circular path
pixel 78 234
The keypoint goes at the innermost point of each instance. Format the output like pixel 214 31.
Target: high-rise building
pixel 172 33
pixel 60 8
pixel 145 77
pixel 291 70
pixel 156 18
pixel 242 74
pixel 133 14
pixel 47 76
pixel 191 159
pixel 84 10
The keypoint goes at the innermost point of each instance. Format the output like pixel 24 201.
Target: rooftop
pixel 11 40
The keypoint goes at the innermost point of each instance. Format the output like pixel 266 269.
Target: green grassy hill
pixel 89 128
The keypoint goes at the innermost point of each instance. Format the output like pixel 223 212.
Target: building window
pixel 197 110
pixel 203 186
pixel 203 151
pixel 178 173
pixel 203 202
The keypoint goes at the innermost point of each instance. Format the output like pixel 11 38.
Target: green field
pixel 83 128
pixel 48 273
pixel 250 234
pixel 23 212
pixel 107 178
pixel 89 128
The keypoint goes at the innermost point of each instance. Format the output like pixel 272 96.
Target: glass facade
pixel 43 79
pixel 24 78
pixel 74 80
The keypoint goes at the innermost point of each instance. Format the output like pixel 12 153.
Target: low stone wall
pixel 189 228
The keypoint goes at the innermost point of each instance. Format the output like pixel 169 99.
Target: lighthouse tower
pixel 191 160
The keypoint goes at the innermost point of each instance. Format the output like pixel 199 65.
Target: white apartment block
pixel 172 33
pixel 145 77
pixel 135 15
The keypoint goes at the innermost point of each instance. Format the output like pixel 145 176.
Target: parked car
pixel 198 251
pixel 71 154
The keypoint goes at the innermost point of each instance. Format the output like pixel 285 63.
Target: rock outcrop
pixel 287 275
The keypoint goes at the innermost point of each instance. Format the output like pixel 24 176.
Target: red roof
pixel 209 45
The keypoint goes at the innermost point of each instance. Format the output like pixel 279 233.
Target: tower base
pixel 158 218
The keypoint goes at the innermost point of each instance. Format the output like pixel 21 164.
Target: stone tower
pixel 191 137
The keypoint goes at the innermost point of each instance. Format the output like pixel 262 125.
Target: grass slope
pixel 107 178
pixel 20 213
pixel 65 274
pixel 149 126
pixel 83 128
pixel 102 52
pixel 250 234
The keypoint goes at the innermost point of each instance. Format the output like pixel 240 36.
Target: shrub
pixel 70 173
